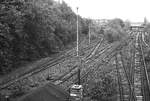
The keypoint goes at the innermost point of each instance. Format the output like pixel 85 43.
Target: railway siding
pixel 50 73
pixel 99 57
pixel 98 61
pixel 145 76
pixel 133 81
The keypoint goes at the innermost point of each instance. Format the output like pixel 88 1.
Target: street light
pixel 89 33
pixel 77 35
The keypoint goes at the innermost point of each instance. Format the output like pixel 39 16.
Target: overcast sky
pixel 133 10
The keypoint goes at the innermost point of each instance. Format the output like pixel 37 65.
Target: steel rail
pixel 41 68
pixel 132 96
pixel 145 90
pixel 119 80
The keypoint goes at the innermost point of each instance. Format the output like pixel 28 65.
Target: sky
pixel 132 10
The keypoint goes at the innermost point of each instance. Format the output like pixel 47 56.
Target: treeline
pixel 31 29
pixel 147 29
pixel 115 30
pixel 104 89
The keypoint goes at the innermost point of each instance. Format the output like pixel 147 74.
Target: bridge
pixel 137 23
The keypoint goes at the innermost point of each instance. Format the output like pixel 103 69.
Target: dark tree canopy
pixel 31 29
pixel 115 30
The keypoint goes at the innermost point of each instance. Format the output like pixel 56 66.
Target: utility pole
pixel 80 63
pixel 77 34
pixel 89 33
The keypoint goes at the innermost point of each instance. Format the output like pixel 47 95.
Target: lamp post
pixel 89 33
pixel 77 35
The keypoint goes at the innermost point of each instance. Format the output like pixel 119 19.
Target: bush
pixel 104 89
pixel 114 31
pixel 32 29
pixel 147 29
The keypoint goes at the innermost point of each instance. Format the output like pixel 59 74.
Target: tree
pixel 104 89
pixel 32 29
pixel 115 30
pixel 127 25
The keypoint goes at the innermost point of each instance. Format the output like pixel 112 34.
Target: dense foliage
pixel 31 29
pixel 127 25
pixel 147 29
pixel 105 89
pixel 115 30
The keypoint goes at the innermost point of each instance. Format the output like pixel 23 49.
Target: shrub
pixel 104 89
pixel 114 31
pixel 32 29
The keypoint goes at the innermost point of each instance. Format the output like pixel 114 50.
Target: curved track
pixel 136 76
pixel 44 66
pixel 144 74
pixel 102 57
pixel 99 55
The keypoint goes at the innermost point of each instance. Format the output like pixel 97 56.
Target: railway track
pixel 144 74
pixel 94 60
pixel 119 79
pixel 108 50
pixel 83 60
pixel 69 74
pixel 140 74
pixel 42 67
pixel 124 82
pixel 101 58
pixel 137 78
pixel 143 40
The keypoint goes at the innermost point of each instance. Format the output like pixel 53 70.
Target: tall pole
pixel 89 33
pixel 77 35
